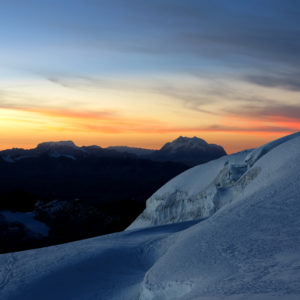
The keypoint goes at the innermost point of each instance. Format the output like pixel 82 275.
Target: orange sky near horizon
pixel 144 114
pixel 25 128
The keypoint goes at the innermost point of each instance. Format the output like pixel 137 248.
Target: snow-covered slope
pixel 249 248
pixel 199 192
pixel 32 226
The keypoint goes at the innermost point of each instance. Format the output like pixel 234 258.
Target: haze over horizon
pixel 143 73
pixel 104 147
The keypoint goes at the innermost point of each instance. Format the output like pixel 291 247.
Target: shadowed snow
pixel 248 248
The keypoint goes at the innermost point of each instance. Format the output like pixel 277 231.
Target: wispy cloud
pixel 270 111
pixel 231 31
pixel 112 122
pixel 78 81
pixel 211 95
pixel 73 114
pixel 288 81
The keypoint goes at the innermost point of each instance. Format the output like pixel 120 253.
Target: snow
pixel 192 194
pixel 248 248
pixel 201 191
pixel 27 219
pixel 8 159
pixel 107 267
pixel 259 152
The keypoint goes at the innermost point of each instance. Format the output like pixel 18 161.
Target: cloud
pixel 288 81
pixel 192 94
pixel 245 121
pixel 73 114
pixel 76 81
pixel 234 32
pixel 269 118
pixel 109 122
pixel 159 129
pixel 275 110
pixel 206 94
pixel 256 129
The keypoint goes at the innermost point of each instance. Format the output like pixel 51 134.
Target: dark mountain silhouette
pixel 190 151
pixel 79 192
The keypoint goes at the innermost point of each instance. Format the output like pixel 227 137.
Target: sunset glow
pixel 142 74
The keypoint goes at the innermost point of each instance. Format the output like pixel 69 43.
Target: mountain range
pixel 189 151
pixel 62 170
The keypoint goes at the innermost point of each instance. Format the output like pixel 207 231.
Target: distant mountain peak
pixel 54 145
pixel 189 150
pixel 186 138
pixel 185 142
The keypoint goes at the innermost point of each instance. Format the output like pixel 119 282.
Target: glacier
pixel 228 229
pixel 200 191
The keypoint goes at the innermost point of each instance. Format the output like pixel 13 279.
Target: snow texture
pixel 27 219
pixel 247 246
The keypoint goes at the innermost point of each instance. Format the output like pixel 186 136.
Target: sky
pixel 141 73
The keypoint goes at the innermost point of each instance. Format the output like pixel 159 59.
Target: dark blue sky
pixel 145 36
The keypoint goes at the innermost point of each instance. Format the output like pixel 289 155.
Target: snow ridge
pixel 201 191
